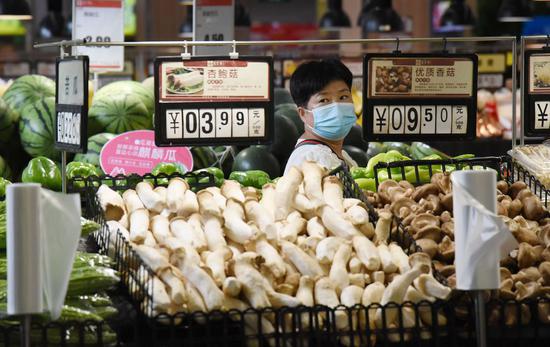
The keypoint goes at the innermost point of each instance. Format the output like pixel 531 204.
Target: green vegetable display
pixel 44 171
pixel 214 171
pixel 251 178
pixel 84 170
pixel 3 184
pixel 366 184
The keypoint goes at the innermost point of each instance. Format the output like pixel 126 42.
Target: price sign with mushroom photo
pixel 419 96
pixel 71 104
pixel 213 100
pixel 537 92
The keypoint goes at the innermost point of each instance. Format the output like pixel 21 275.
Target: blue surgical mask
pixel 333 121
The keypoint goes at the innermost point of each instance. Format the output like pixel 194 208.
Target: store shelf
pixel 479 147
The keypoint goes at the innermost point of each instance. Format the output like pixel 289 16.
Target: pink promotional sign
pixel 135 152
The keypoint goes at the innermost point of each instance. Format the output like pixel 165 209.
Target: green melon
pixel 282 96
pixel 128 87
pixel 203 157
pixel 95 144
pixel 27 90
pixel 5 170
pixel 290 111
pixel 36 128
pixel 118 113
pixel 149 84
pixel 7 117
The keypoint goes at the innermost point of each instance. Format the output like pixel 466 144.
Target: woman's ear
pixel 302 112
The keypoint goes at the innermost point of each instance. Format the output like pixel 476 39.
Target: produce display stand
pixel 527 329
pixel 317 326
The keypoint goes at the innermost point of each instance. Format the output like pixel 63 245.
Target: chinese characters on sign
pixel 71 104
pixel 135 152
pixel 417 96
pixel 537 93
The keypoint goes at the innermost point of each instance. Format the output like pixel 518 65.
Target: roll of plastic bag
pixel 61 230
pixel 482 238
pixel 24 248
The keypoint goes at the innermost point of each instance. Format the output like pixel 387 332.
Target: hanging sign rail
pixel 510 39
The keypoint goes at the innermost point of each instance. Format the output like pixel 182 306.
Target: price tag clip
pixel 397 51
pixel 185 55
pixel 234 54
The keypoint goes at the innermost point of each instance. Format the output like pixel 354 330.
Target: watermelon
pixel 203 157
pixel 5 170
pixel 95 144
pixel 118 113
pixel 282 96
pixel 149 84
pixel 285 138
pixel 27 90
pixel 36 128
pixel 257 158
pixel 357 154
pixel 290 111
pixel 355 138
pixel 129 87
pixel 7 116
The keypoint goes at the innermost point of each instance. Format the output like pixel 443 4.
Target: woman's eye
pixel 344 97
pixel 323 101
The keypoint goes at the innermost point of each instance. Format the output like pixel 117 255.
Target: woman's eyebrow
pixel 343 90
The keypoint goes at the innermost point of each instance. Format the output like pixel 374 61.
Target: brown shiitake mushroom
pixel 505 273
pixel 543 234
pixel 544 222
pixel 544 312
pixel 451 281
pixel 443 182
pixel 445 217
pixel 447 201
pixel 526 255
pixel 428 246
pixel 424 219
pixel 509 262
pixel 515 188
pixel 407 185
pixel 506 292
pixel 447 250
pixel 502 186
pixel 515 208
pixel 429 232
pixel 544 269
pixel 431 204
pixel 447 270
pixel 386 193
pixel 448 229
pixel 527 290
pixel 502 209
pixel 532 208
pixel 530 274
pixel 438 266
pixel 402 207
pixel 525 193
pixel 545 255
pixel 425 190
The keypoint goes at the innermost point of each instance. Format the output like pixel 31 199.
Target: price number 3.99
pixel 215 123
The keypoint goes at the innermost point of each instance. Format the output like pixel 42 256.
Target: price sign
pixel 214 20
pixel 214 100
pixel 71 104
pixel 100 21
pixel 419 96
pixel 492 69
pixel 536 92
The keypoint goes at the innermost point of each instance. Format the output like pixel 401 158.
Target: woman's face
pixel 335 91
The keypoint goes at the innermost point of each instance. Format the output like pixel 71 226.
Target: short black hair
pixel 312 76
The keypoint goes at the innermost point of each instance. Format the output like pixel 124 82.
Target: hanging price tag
pixel 537 92
pixel 214 100
pixel 214 20
pixel 420 96
pixel 100 21
pixel 71 104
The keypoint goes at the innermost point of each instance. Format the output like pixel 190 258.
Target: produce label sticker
pixel 213 101
pixel 537 92
pixel 135 152
pixel 419 96
pixel 100 21
pixel 213 20
pixel 71 104
pixel 492 70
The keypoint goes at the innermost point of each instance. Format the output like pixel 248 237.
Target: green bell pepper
pixel 387 157
pixel 251 178
pixel 214 171
pixel 3 184
pixel 167 169
pixel 44 171
pixel 359 172
pixel 83 170
pixel 366 184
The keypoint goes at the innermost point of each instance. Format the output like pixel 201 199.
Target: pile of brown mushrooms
pixel 426 214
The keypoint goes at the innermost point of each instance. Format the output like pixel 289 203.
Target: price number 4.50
pixel 213 37
pixel 89 38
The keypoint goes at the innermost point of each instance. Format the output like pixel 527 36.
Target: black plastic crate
pixel 516 172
